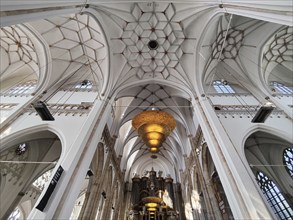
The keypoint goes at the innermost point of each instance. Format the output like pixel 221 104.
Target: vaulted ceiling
pixel 109 44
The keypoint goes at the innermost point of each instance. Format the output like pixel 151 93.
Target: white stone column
pixel 75 162
pixel 210 200
pixel 242 194
pixel 93 208
pixel 119 202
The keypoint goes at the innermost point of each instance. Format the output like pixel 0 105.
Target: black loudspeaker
pixel 90 173
pixel 43 111
pixel 42 204
pixel 262 114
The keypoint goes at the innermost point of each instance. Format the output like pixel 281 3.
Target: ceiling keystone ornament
pixel 152 40
pixel 153 127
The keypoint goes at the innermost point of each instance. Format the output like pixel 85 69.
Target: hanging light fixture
pixel 153 127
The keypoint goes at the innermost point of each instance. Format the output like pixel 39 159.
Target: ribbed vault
pixel 135 155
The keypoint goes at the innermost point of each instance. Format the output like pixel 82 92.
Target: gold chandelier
pixel 152 202
pixel 153 127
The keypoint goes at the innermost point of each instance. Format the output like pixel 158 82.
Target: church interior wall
pixel 84 65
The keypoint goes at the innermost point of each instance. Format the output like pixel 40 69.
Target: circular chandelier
pixel 153 127
pixel 152 202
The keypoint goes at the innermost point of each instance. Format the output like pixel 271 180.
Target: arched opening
pixel 24 165
pixel 265 154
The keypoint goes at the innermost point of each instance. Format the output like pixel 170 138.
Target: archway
pixel 265 154
pixel 23 161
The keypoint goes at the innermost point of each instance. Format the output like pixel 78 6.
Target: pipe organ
pixel 152 197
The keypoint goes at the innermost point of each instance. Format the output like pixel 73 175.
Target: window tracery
pixel 85 84
pixel 42 180
pixel 282 88
pixel 274 196
pixel 288 160
pixel 222 87
pixel 25 88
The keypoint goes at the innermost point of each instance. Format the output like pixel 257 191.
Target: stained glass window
pixel 274 197
pixel 222 87
pixel 282 88
pixel 288 160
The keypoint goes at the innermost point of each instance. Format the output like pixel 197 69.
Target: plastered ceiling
pixel 109 45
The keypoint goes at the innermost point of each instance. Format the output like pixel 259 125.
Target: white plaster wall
pixel 68 127
pixel 20 100
pixel 72 97
pixel 285 100
pixel 239 129
pixel 234 100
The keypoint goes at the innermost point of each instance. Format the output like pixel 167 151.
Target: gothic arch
pixel 264 153
pixel 40 151
pixel 266 129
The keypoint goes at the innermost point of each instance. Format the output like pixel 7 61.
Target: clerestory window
pixel 288 160
pixel 282 88
pixel 23 88
pixel 222 87
pixel 85 84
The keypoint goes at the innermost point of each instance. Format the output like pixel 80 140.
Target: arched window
pixel 274 196
pixel 23 88
pixel 222 87
pixel 85 84
pixel 15 215
pixel 282 88
pixel 288 160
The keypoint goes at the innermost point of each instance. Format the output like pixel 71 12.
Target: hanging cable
pixel 85 5
pixel 238 97
pixel 60 106
pixel 34 71
pixel 65 81
pixel 81 76
pixel 85 52
pixel 225 38
pixel 211 82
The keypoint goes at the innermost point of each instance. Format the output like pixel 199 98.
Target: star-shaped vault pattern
pixel 155 24
pixel 16 47
pixel 232 44
pixel 279 48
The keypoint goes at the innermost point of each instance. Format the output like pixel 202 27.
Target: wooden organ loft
pixel 153 197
